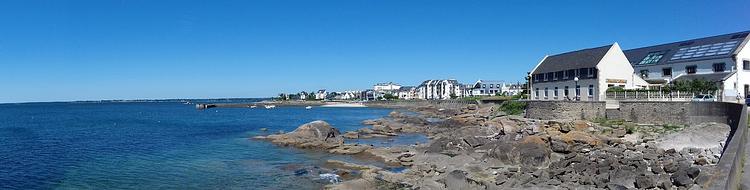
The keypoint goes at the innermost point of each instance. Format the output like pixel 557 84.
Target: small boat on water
pixel 270 106
pixel 308 107
pixel 253 106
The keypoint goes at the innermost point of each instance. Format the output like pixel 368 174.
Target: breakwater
pixel 259 104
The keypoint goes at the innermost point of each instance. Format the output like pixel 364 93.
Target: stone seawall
pixel 564 110
pixel 677 113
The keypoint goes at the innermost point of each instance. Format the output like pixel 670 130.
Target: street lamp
pixel 578 89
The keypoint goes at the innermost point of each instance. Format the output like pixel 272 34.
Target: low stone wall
pixel 676 113
pixel 565 110
pixel 733 168
pixel 440 104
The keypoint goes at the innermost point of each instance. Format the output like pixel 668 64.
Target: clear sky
pixel 60 50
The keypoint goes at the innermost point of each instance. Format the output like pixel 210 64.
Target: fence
pixel 656 96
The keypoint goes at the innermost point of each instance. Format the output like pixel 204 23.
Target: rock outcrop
pixel 316 134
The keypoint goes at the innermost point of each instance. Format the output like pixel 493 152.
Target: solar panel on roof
pixel 720 48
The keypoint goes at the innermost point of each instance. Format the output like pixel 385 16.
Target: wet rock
pixel 351 135
pixel 349 149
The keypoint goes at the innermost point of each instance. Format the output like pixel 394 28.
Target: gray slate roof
pixel 585 58
pixel 713 77
pixel 635 56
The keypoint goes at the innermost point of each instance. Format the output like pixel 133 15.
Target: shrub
pixel 513 107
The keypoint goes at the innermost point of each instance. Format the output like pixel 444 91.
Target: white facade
pixel 407 93
pixel 593 79
pixel 488 88
pixel 381 87
pixel 321 94
pixel 724 59
pixel 439 89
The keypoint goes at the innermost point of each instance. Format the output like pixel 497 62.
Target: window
pixel 578 90
pixel 719 67
pixel 591 72
pixel 555 93
pixel 721 48
pixel 566 92
pixel 571 74
pixel 559 75
pixel 746 65
pixel 666 71
pixel 536 93
pixel 644 73
pixel 490 85
pixel 591 90
pixel 546 93
pixel 652 58
pixel 549 77
pixel 584 72
pixel 691 69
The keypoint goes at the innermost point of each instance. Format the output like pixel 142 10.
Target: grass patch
pixel 513 107
pixel 609 122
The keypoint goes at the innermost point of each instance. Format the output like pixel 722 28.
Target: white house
pixel 321 94
pixel 723 59
pixel 439 89
pixel 583 75
pixel 512 89
pixel 407 93
pixel 389 86
pixel 487 88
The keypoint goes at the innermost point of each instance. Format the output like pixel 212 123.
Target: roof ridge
pixel 581 50
pixel 692 39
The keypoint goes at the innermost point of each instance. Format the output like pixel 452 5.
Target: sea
pixel 165 145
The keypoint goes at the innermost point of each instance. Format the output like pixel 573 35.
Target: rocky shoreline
pixel 480 147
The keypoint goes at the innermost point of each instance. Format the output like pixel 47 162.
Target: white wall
pixel 704 66
pixel 561 90
pixel 743 75
pixel 614 65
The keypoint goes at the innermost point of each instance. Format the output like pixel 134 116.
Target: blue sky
pixel 61 50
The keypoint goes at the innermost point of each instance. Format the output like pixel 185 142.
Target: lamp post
pixel 578 90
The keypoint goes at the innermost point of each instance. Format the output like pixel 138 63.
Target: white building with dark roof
pixel 487 88
pixel 583 75
pixel 439 89
pixel 723 59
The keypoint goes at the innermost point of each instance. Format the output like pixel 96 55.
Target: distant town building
pixel 303 95
pixel 321 94
pixel 386 87
pixel 407 93
pixel 440 89
pixel 348 95
pixel 512 89
pixel 723 59
pixel 583 75
pixel 487 88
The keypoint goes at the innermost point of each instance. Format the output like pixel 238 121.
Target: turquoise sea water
pixel 165 145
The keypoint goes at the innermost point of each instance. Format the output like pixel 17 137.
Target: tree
pixel 453 96
pixel 282 96
pixel 390 97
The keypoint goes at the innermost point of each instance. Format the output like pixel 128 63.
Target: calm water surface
pixel 159 146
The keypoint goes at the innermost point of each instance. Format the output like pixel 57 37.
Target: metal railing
pixel 655 95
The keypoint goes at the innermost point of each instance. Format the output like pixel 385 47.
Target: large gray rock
pixel 681 179
pixel 316 134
